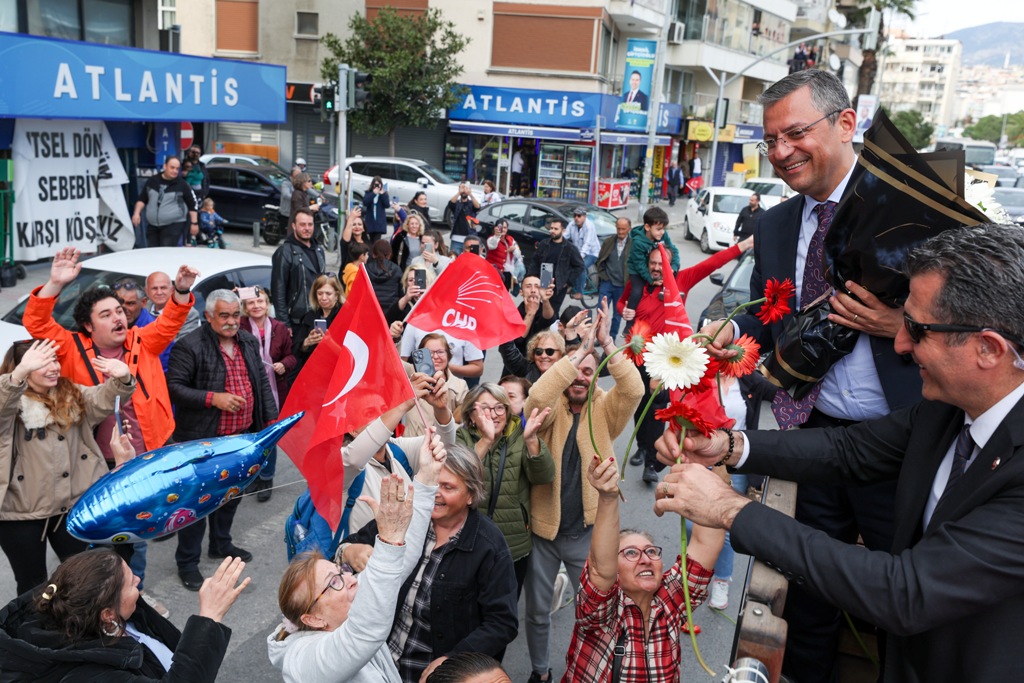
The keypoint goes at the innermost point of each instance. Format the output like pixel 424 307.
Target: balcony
pixel 637 15
pixel 702 106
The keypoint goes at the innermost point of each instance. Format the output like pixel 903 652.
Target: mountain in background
pixel 989 43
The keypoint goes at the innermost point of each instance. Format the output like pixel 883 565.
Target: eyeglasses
pixel 497 409
pixel 439 354
pixel 916 330
pixel 632 553
pixel 767 146
pixel 544 352
pixel 334 582
pixel 128 285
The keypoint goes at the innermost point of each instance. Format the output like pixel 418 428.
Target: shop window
pixel 307 24
pixel 545 36
pixel 9 16
pixel 238 26
pixel 54 18
pixel 108 21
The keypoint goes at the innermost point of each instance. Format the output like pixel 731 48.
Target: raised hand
pixel 185 278
pixel 432 457
pixel 438 396
pixel 394 511
pixel 484 424
pixel 111 367
pixel 604 476
pixel 65 268
pixel 41 353
pixel 121 445
pixel 534 422
pixel 604 324
pixel 220 591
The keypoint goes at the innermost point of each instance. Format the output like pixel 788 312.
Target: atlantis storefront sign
pixel 550 108
pixel 60 79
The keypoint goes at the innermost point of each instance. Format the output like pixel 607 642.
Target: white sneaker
pixel 719 594
pixel 160 608
pixel 558 597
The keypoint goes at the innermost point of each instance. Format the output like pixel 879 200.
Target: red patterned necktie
pixel 791 413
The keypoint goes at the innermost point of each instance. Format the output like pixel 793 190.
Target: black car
pixel 239 191
pixel 527 219
pixel 735 290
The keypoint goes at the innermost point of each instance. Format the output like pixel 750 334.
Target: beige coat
pixel 613 411
pixel 42 478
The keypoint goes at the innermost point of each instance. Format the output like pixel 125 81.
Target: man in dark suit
pixel 635 94
pixel 808 127
pixel 951 591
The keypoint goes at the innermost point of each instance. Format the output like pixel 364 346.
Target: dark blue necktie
pixel 961 454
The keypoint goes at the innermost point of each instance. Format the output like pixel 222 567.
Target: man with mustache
pixel 564 511
pixel 219 387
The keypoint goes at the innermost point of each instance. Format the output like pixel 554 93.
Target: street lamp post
pixel 722 82
pixel 654 111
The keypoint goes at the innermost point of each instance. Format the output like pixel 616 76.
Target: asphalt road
pixel 259 527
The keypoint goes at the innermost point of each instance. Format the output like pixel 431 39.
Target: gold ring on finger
pixel 855 316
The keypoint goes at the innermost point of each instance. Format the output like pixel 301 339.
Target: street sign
pixel 187 135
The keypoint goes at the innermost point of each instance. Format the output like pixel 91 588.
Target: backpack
pixel 306 529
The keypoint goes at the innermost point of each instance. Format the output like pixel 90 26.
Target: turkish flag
pixel 353 377
pixel 676 319
pixel 469 301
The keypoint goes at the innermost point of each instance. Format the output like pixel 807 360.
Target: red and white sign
pixel 187 135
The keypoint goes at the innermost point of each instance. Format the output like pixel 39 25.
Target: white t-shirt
pixel 462 352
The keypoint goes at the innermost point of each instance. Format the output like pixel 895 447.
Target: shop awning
pixel 543 132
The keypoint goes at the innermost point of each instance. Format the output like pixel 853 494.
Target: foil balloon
pixel 162 491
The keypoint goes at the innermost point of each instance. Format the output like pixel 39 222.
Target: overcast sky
pixel 939 17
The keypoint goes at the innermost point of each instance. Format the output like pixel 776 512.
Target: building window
pixel 545 37
pixel 238 24
pixel 54 18
pixel 108 22
pixel 307 24
pixel 9 16
pixel 168 14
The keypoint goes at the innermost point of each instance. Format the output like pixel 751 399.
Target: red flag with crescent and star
pixel 353 377
pixel 469 301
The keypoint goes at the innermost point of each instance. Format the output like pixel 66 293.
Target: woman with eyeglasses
pixel 90 625
pixel 336 625
pixel 542 351
pixel 626 600
pixel 278 362
pixel 324 301
pixel 436 344
pixel 48 452
pixel 514 459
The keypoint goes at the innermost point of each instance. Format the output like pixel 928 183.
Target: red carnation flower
pixel 776 300
pixel 745 360
pixel 639 335
pixel 709 378
pixel 701 412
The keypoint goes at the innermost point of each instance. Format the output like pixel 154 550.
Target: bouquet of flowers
pixel 683 366
pixel 896 199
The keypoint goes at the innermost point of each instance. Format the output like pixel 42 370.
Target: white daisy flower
pixel 979 193
pixel 678 363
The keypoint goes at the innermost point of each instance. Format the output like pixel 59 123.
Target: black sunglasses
pixel 544 352
pixel 916 330
pixel 127 285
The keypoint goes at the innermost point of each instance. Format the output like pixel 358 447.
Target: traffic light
pixel 328 100
pixel 318 102
pixel 358 89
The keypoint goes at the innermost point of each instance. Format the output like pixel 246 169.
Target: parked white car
pixel 711 216
pixel 218 269
pixel 772 190
pixel 403 178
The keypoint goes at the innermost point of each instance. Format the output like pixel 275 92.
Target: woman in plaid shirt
pixel 625 599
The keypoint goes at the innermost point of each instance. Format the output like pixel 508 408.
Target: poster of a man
pixel 634 93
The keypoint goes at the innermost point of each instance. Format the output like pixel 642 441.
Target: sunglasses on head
pixel 544 352
pixel 127 285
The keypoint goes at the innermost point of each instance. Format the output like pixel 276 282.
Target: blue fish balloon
pixel 160 492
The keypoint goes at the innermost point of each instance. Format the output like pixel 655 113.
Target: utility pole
pixel 654 110
pixel 341 111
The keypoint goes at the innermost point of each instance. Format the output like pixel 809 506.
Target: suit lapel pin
pixel 995 463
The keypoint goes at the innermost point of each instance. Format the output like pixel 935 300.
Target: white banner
pixel 68 189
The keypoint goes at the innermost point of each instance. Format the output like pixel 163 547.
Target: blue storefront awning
pixel 47 78
pixel 516 131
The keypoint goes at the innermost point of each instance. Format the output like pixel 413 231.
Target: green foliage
pixel 915 129
pixel 991 127
pixel 413 61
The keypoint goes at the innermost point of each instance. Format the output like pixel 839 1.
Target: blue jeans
pixel 581 281
pixel 613 293
pixel 268 470
pixel 138 563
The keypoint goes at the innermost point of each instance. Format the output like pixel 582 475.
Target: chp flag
pixel 68 182
pixel 469 301
pixel 353 377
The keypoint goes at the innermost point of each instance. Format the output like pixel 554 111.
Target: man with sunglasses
pixel 808 128
pixel 950 590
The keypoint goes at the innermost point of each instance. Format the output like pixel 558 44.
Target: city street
pixel 259 527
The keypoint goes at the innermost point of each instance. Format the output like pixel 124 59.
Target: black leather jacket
pixel 291 277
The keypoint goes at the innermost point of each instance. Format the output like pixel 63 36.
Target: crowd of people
pixel 482 490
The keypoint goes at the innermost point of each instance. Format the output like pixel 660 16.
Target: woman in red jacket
pixel 278 361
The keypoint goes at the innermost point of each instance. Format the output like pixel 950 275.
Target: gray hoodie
pixel 357 651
